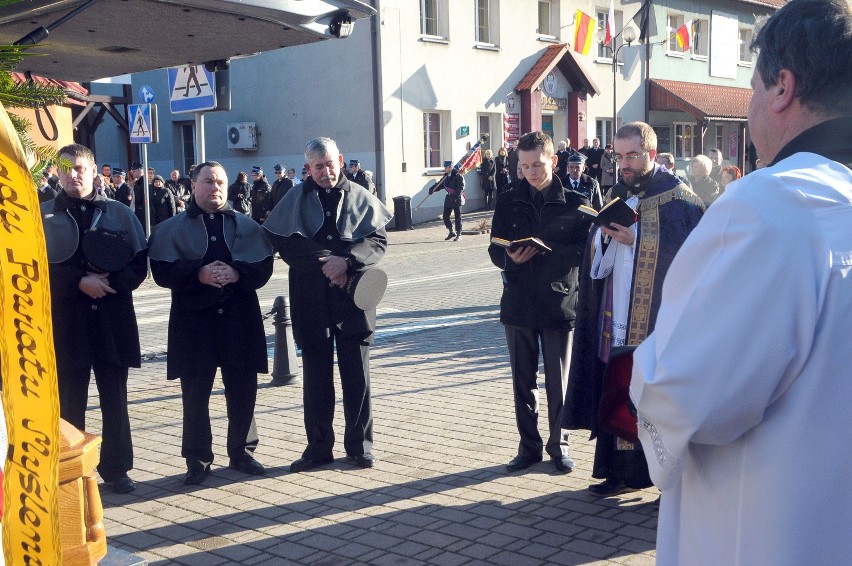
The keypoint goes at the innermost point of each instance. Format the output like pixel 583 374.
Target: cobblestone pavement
pixel 444 430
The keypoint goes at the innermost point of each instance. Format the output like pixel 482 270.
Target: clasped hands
pixel 218 274
pixel 95 285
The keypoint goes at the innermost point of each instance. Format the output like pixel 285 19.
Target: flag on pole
pixel 472 161
pixel 684 36
pixel 584 33
pixel 610 24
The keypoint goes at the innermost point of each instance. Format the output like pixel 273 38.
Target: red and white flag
pixel 472 161
pixel 610 24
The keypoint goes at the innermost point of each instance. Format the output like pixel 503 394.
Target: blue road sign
pixel 192 88
pixel 146 93
pixel 141 130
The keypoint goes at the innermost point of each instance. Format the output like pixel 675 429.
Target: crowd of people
pixel 737 359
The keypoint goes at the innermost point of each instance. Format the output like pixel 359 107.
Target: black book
pixel 521 243
pixel 616 211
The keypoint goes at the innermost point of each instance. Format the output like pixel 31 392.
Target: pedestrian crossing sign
pixel 141 123
pixel 192 88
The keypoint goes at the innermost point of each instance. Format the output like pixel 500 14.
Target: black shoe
pixel 458 237
pixel 451 236
pixel 195 473
pixel 248 465
pixel 121 484
pixel 362 460
pixel 564 464
pixel 610 487
pixel 304 463
pixel 522 462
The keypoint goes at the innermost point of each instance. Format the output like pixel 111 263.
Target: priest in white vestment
pixel 744 389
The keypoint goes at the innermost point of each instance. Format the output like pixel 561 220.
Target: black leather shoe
pixel 362 460
pixel 564 464
pixel 248 465
pixel 121 484
pixel 610 487
pixel 458 237
pixel 195 473
pixel 304 463
pixel 522 462
pixel 451 236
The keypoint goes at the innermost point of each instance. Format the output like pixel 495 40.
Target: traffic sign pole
pixel 146 200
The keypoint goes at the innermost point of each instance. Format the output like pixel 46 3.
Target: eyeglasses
pixel 629 158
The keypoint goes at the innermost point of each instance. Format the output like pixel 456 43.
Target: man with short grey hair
pixel 743 389
pixel 329 231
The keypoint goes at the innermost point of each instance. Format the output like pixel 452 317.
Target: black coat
pixel 589 188
pixel 124 195
pixel 162 205
pixel 261 199
pixel 240 196
pixel 316 307
pixel 503 178
pixel 454 185
pixel 87 329
pixel 542 291
pixel 210 327
pixel 488 175
pixel 279 189
pixel 359 178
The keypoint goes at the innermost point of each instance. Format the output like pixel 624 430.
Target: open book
pixel 522 243
pixel 616 211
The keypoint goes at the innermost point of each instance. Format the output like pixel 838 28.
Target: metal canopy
pixel 114 37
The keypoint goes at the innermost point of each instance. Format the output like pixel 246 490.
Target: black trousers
pixel 111 380
pixel 524 350
pixel 353 363
pixel 240 398
pixel 457 211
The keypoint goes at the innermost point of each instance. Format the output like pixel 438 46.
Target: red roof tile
pixel 571 67
pixel 69 87
pixel 700 100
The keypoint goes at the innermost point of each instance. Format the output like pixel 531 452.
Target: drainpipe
pixel 378 121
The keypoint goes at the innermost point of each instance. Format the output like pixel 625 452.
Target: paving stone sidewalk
pixel 444 431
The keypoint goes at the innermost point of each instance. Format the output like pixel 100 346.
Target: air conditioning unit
pixel 242 135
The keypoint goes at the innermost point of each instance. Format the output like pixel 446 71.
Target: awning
pixel 702 101
pixel 561 57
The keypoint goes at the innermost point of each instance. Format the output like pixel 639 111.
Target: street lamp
pixel 628 36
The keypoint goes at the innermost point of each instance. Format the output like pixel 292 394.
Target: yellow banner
pixel 30 398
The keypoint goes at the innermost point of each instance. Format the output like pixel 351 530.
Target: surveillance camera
pixel 341 26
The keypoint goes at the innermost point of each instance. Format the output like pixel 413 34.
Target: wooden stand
pixel 81 515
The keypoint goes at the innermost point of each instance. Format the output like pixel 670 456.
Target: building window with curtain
pixel 700 37
pixel 674 22
pixel 432 139
pixel 684 139
pixel 545 18
pixel 433 19
pixel 745 43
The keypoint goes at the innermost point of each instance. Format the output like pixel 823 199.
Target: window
pixel 684 138
pixel 674 22
pixel 484 126
pixel 604 51
pixel 664 139
pixel 745 43
pixel 433 18
pixel 187 141
pixel 720 138
pixel 487 22
pixel 701 37
pixel 432 138
pixel 603 131
pixel 547 18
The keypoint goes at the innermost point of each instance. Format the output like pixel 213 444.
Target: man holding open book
pixel 539 236
pixel 628 260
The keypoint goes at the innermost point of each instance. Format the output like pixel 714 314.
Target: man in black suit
pixel 583 184
pixel 328 230
pixel 593 160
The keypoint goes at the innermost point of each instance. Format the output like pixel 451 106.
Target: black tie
pixel 576 185
pixel 538 200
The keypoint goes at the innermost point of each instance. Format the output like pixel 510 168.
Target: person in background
pixel 742 390
pixel 700 180
pixel 261 195
pixel 453 183
pixel 607 169
pixel 280 187
pixel 729 174
pixel 502 164
pixel 356 174
pixel 487 177
pixel 667 160
pixel 239 194
pixel 123 191
pixel 717 162
pixel 162 201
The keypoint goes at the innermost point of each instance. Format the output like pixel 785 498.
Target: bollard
pixel 284 368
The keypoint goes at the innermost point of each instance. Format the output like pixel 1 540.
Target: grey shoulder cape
pixel 359 213
pixel 184 237
pixel 62 236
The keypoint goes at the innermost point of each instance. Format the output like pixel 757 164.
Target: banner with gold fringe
pixel 30 397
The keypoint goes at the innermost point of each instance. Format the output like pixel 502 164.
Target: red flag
pixel 610 24
pixel 684 35
pixel 472 161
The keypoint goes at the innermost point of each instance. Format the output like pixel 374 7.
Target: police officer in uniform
pixel 581 183
pixel 453 183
